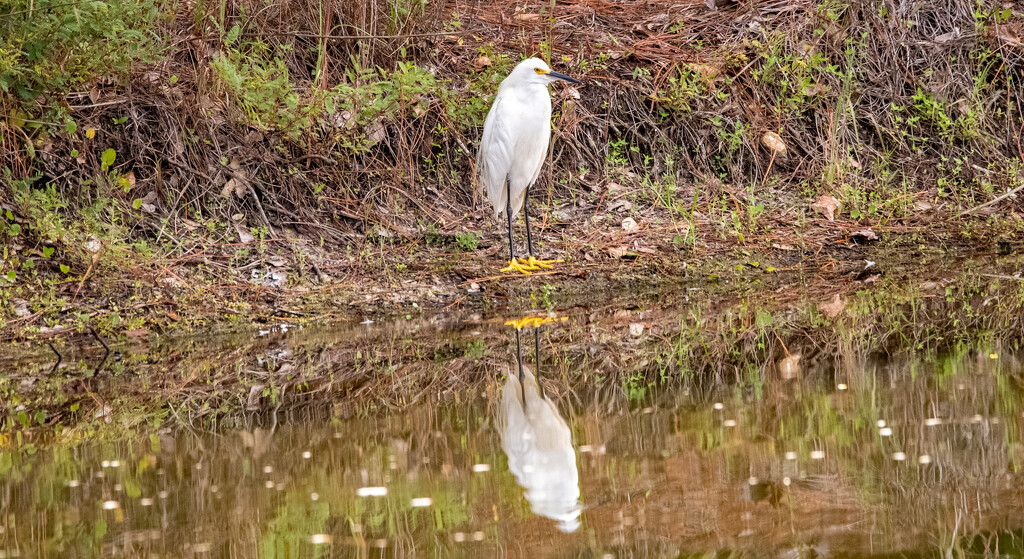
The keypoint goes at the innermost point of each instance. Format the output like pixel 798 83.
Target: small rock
pixel 93 245
pixel 923 206
pixel 774 142
pixel 629 225
pixel 170 282
pixel 21 309
pixel 636 329
pixel 474 288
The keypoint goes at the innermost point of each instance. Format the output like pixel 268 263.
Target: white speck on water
pixel 420 502
pixel 790 455
pixel 899 456
pixel 314 496
pixel 111 505
pixel 786 481
pixel 459 537
pixel 318 539
pixel 268 469
pixel 932 421
pixel 881 423
pixel 729 423
pixel 146 501
pixel 718 405
pixel 74 483
pixel 817 454
pixel 841 386
pixel 480 468
pixel 924 459
pixel 269 484
pixel 162 494
pixel 307 455
pixel 885 432
pixel 753 480
pixel 372 491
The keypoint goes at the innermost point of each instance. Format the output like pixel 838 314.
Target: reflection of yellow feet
pixel 534 321
pixel 517 266
pixel 535 264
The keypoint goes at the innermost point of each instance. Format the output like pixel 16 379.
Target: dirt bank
pixel 261 162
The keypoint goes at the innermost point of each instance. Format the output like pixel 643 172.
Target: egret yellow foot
pixel 517 266
pixel 535 264
pixel 534 321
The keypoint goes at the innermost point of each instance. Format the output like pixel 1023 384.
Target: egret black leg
pixel 519 355
pixel 508 214
pixel 519 360
pixel 526 212
pixel 532 263
pixel 536 352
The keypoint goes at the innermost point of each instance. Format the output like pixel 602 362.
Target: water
pixel 711 426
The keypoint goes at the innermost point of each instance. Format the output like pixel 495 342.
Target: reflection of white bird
pixel 514 145
pixel 539 448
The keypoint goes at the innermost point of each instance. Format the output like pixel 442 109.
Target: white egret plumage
pixel 514 146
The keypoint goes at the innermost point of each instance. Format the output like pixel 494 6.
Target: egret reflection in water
pixel 538 443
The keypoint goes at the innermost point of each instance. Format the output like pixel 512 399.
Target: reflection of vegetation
pixel 399 407
pixel 679 456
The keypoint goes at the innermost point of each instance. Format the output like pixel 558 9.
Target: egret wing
pixel 494 158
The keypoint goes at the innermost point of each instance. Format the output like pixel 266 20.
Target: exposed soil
pixel 660 175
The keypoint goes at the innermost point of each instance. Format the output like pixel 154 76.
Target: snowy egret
pixel 538 444
pixel 514 145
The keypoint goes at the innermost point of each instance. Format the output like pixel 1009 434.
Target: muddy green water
pixel 639 446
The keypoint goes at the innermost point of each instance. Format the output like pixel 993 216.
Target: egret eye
pixel 540 71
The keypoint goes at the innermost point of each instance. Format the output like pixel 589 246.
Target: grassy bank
pixel 171 164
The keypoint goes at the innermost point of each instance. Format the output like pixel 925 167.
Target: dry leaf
pixel 864 235
pixel 527 17
pixel 244 236
pixel 774 142
pixel 834 307
pixel 482 62
pixel 947 37
pixel 620 206
pixel 618 252
pixel 826 204
pixel 130 177
pixel 789 366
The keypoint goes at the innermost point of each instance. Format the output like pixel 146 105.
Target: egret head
pixel 534 71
